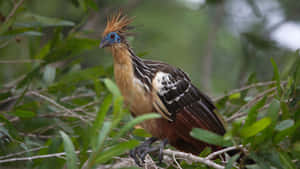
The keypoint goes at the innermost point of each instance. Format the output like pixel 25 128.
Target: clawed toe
pixel 139 153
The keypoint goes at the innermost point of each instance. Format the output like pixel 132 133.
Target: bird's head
pixel 116 30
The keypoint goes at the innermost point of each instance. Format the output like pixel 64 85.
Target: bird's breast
pixel 135 97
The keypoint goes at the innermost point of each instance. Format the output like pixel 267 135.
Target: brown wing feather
pixel 174 94
pixel 178 132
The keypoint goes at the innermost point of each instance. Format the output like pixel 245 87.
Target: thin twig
pixel 68 98
pixel 58 105
pixel 13 11
pixel 34 157
pixel 191 157
pixel 216 153
pixel 30 158
pixel 36 135
pixel 260 84
pixel 149 163
pixel 185 156
pixel 177 164
pixel 23 152
pixel 257 98
pixel 19 61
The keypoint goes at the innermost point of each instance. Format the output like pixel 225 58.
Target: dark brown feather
pixel 178 132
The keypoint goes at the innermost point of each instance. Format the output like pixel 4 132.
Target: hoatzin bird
pixel 152 86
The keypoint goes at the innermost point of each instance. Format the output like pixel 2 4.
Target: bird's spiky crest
pixel 117 23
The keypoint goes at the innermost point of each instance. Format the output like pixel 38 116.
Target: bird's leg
pixel 162 145
pixel 140 152
pixel 137 152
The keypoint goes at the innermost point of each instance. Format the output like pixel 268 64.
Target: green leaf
pixel 112 87
pixel 20 32
pixel 286 161
pixel 92 4
pixel 252 114
pixel 255 128
pixel 235 96
pixel 24 113
pixel 78 76
pixel 102 135
pixel 118 110
pixel 105 105
pixel 231 161
pixel 276 76
pixel 209 137
pixel 284 125
pixel 273 110
pixel 70 151
pixel 33 20
pixel 135 121
pixel 140 132
pixel 116 150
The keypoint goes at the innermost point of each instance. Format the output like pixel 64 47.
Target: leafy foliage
pixel 57 112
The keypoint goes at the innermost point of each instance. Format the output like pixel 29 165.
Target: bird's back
pixel 188 107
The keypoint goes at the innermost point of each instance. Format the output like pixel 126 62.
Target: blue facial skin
pixel 110 39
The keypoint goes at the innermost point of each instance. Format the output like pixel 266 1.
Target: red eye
pixel 112 36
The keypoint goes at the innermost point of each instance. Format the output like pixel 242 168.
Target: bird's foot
pixel 139 153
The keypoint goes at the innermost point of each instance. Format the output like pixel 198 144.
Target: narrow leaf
pixel 43 21
pixel 276 76
pixel 252 115
pixel 105 105
pixel 70 151
pixel 286 161
pixel 209 137
pixel 135 121
pixel 116 150
pixel 231 161
pixel 112 87
pixel 284 125
pixel 102 135
pixel 24 113
pixel 255 127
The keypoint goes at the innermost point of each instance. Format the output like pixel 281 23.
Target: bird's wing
pixel 174 93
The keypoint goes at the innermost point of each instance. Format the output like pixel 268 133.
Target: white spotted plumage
pixel 163 83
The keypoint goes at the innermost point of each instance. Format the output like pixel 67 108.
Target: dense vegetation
pixel 59 106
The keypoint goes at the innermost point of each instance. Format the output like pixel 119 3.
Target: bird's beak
pixel 103 43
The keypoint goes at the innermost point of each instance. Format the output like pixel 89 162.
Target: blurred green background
pixel 218 43
pixel 56 94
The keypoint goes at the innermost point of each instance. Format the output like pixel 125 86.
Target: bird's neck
pixel 128 65
pixel 121 54
pixel 128 72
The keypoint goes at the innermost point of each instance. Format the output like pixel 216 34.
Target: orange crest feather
pixel 117 23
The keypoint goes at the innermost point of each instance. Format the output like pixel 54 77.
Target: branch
pixel 19 61
pixel 13 11
pixel 22 152
pixel 258 97
pixel 260 84
pixel 128 161
pixel 68 98
pixel 58 155
pixel 193 158
pixel 58 105
pixel 216 153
